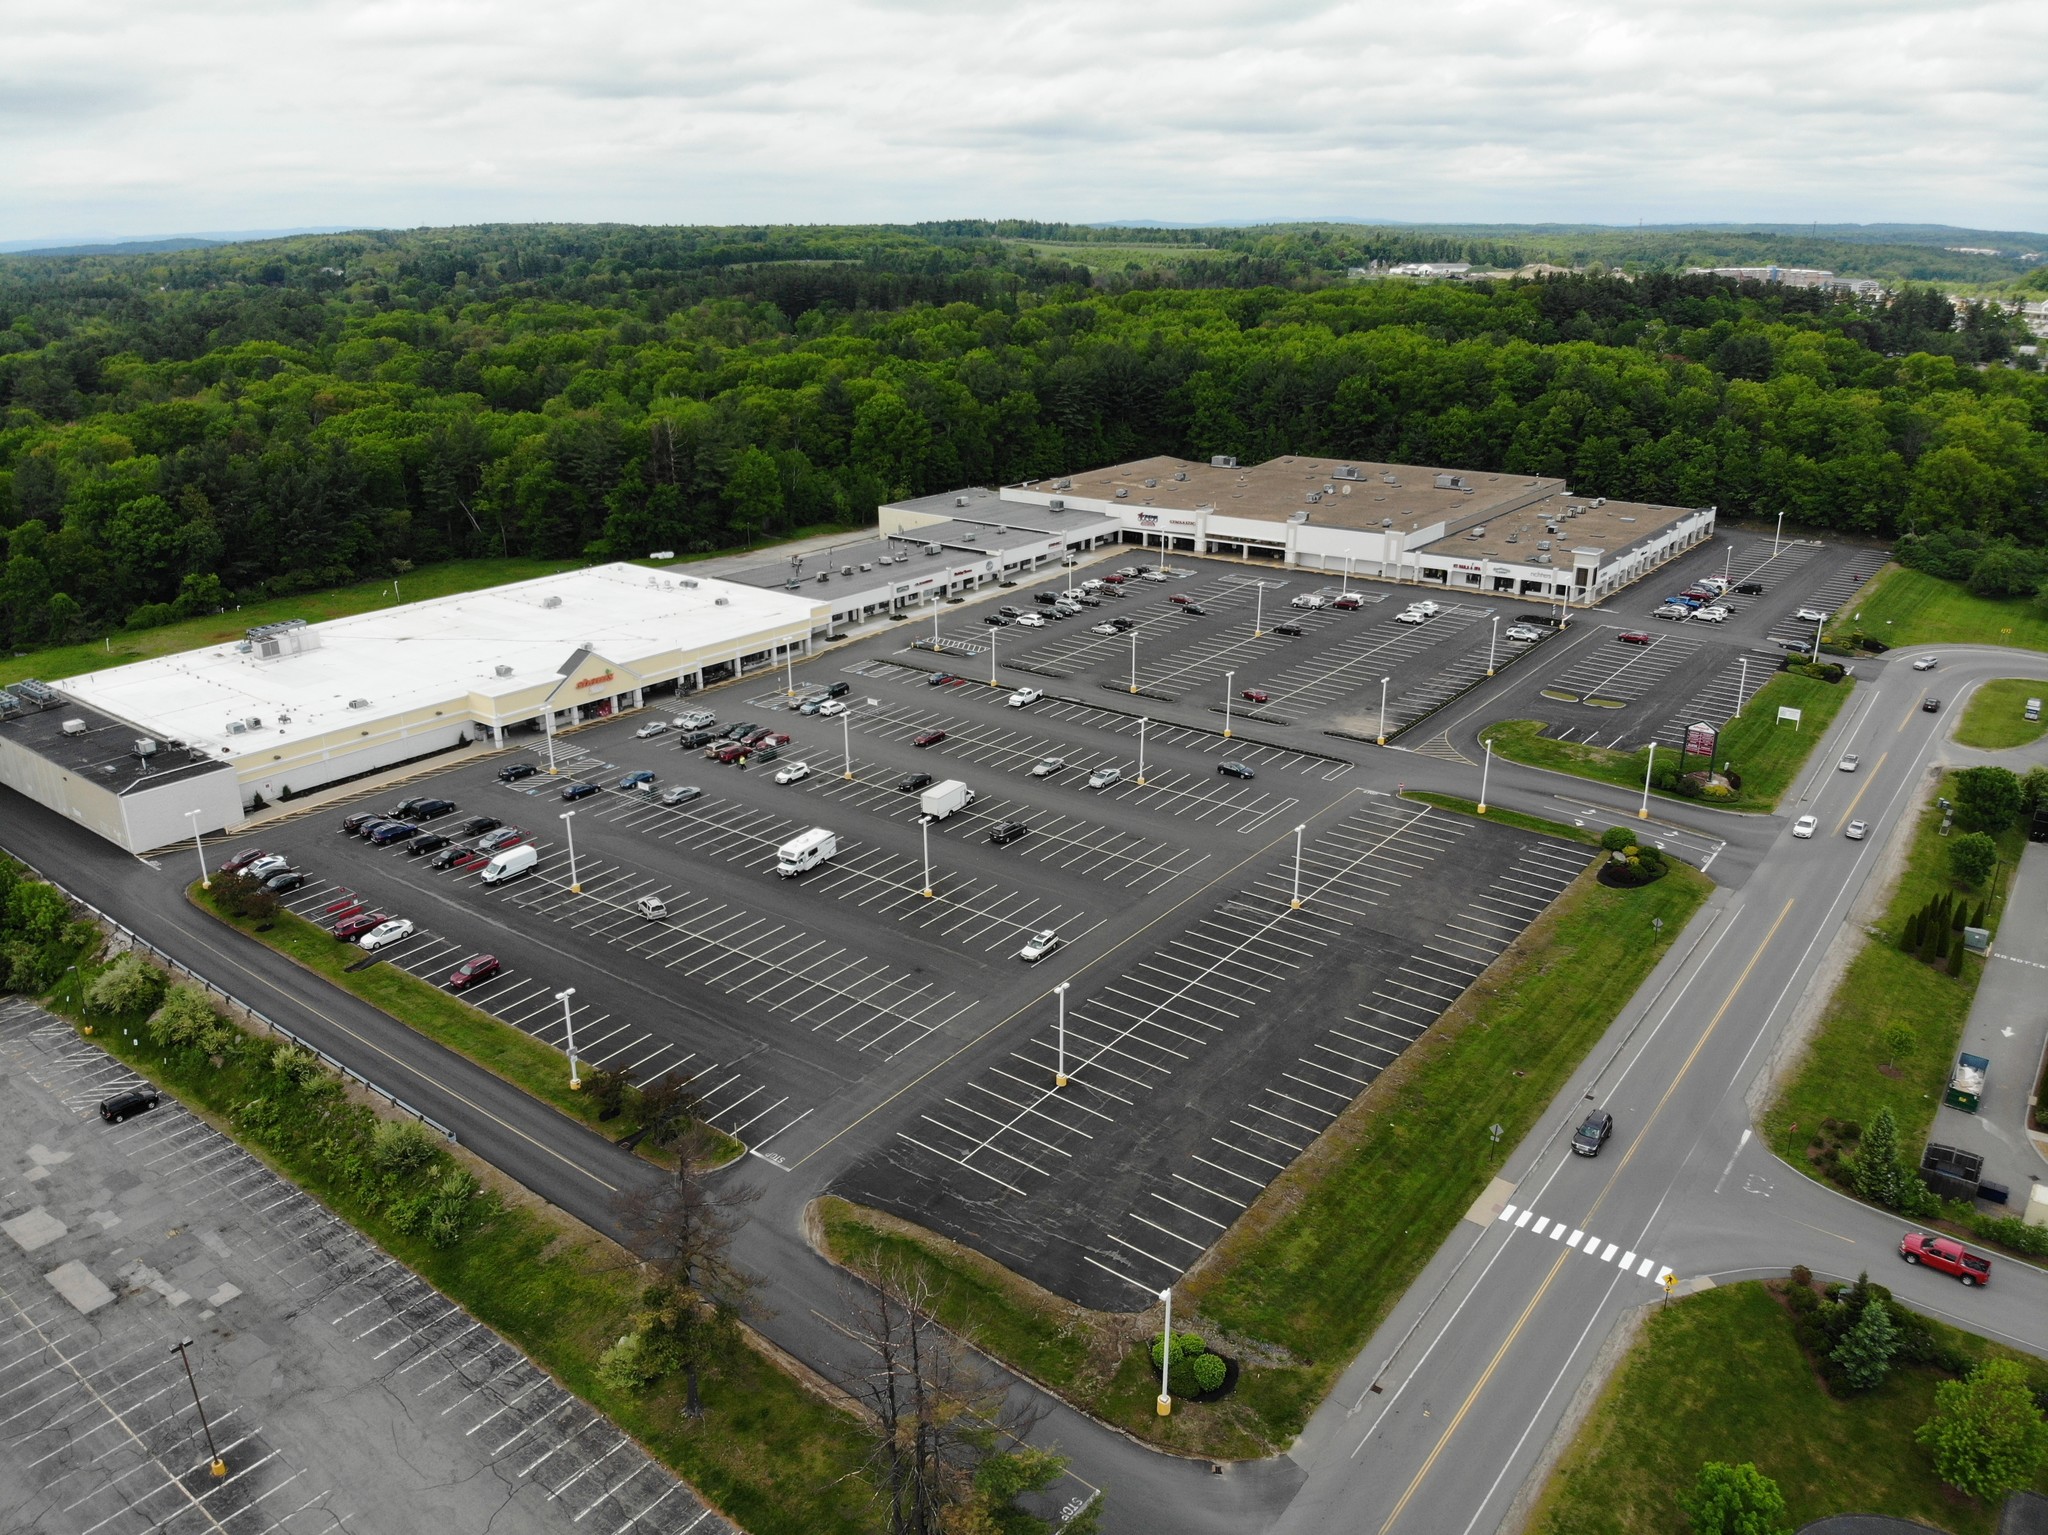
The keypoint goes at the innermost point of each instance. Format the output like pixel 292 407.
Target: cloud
pixel 117 114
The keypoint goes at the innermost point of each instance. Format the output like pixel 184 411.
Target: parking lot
pixel 313 1353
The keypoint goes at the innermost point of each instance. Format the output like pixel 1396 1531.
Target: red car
pixel 1348 602
pixel 241 860
pixel 1946 1256
pixel 478 967
pixel 731 751
pixel 769 738
pixel 1180 597
pixel 355 927
pixel 1258 695
pixel 347 904
pixel 928 738
pixel 1633 637
pixel 1114 580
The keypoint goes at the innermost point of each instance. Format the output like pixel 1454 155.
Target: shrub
pixel 1987 1435
pixel 1864 1355
pixel 1734 1500
pixel 1618 839
pixel 1987 799
pixel 128 985
pixel 185 1020
pixel 401 1146
pixel 295 1066
pixel 1186 1346
pixel 1209 1371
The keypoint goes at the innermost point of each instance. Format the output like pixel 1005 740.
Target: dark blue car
pixel 393 831
pixel 578 790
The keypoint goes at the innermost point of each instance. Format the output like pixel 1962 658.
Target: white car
pixel 1805 825
pixel 1023 698
pixel 1810 616
pixel 1103 777
pixel 1412 616
pixel 1713 615
pixel 1045 767
pixel 1522 634
pixel 1849 763
pixel 1855 830
pixel 1104 628
pixel 696 719
pixel 1307 600
pixel 1092 585
pixel 1041 944
pixel 1424 606
pixel 1925 664
pixel 794 772
pixel 1673 611
pixel 1029 621
pixel 651 728
pixel 386 933
pixel 1152 575
pixel 831 708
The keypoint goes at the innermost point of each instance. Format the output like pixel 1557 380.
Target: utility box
pixel 1977 939
pixel 2037 1206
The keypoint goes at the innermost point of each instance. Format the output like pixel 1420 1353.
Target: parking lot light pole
pixel 1644 813
pixel 569 1027
pixel 992 658
pixel 216 1466
pixel 1742 688
pixel 549 732
pixel 1485 771
pixel 569 826
pixel 1059 1077
pixel 1229 679
pixel 1774 536
pixel 846 729
pixel 1259 611
pixel 1295 904
pixel 1143 721
pixel 1347 575
pixel 1491 642
pixel 924 826
pixel 199 848
pixel 789 657
pixel 1817 625
pixel 1166 1355
pixel 1383 710
pixel 1134 660
pixel 936 605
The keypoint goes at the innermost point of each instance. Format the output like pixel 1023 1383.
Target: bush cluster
pixel 1855 1335
pixel 38 938
pixel 237 895
pixel 1192 1362
pixel 1632 865
pixel 1824 671
pixel 1934 933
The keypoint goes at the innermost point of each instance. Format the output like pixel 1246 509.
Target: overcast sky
pixel 138 117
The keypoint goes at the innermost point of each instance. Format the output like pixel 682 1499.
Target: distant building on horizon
pixel 1794 277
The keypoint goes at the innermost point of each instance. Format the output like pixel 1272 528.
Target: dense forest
pixel 183 429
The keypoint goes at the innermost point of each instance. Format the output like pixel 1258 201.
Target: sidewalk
pixel 2008 1027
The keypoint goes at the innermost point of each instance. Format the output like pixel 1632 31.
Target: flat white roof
pixel 419 654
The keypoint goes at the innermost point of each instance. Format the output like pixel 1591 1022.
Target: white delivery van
pixel 942 799
pixel 806 852
pixel 511 863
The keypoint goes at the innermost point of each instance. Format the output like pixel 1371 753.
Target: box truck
pixel 806 852
pixel 510 864
pixel 942 799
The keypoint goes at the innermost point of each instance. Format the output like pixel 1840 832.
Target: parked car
pixel 771 738
pixel 1194 610
pixel 696 740
pixel 1045 598
pixel 136 1100
pixel 1045 767
pixel 812 705
pixel 1522 634
pixel 1087 599
pixel 740 730
pixel 696 719
pixel 1103 777
pixel 1856 831
pixel 1235 769
pixel 831 708
pixel 1123 625
pixel 995 621
pixel 635 779
pixel 794 773
pixel 1945 1255
pixel 393 831
pixel 1023 698
pixel 450 856
pixel 516 771
pixel 1040 944
pixel 384 935
pixel 1804 826
pixel 477 825
pixel 478 967
pixel 1811 616
pixel 928 738
pixel 353 824
pixel 1183 597
pixel 1348 603
pixel 349 928
pixel 433 842
pixel 1592 1133
pixel 284 881
pixel 1029 621
pixel 1633 637
pixel 1926 663
pixel 1110 629
pixel 725 752
pixel 267 865
pixel 500 839
pixel 1005 832
pixel 1750 588
pixel 240 861
pixel 578 790
pixel 910 783
pixel 1292 631
pixel 406 807
pixel 1675 612
pixel 1711 616
pixel 1850 763
pixel 1425 606
pixel 433 809
pixel 651 729
pixel 1412 616
pixel 1309 600
pixel 681 794
pixel 838 689
pixel 1257 696
pixel 939 679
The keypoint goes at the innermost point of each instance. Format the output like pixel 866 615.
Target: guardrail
pixel 134 939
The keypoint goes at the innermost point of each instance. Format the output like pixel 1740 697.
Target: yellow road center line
pixel 1868 780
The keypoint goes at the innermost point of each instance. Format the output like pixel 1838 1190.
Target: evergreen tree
pixel 1864 1354
pixel 1875 1174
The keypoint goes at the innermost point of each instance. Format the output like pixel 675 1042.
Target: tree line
pixel 183 430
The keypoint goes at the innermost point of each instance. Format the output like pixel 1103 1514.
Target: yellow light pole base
pixel 1140 782
pixel 1489 671
pixel 1379 740
pixel 1059 1081
pixel 219 1467
pixel 1482 809
pixel 576 890
pixel 1165 1406
pixel 1226 734
pixel 929 894
pixel 206 884
pixel 575 1086
pixel 847 776
pixel 1134 690
pixel 1642 815
pixel 87 1029
pixel 1295 904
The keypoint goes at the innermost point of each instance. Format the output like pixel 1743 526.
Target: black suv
pixel 1046 598
pixel 741 730
pixel 356 822
pixel 839 690
pixel 139 1100
pixel 1751 588
pixel 476 826
pixel 427 809
pixel 516 771
pixel 1007 831
pixel 1592 1135
pixel 696 740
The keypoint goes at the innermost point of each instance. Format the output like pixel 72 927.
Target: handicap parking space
pixel 1199 1064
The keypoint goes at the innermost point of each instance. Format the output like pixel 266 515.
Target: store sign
pixel 1148 519
pixel 595 682
pixel 1702 741
pixel 1466 565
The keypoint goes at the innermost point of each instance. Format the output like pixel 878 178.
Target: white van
pixel 650 908
pixel 2033 708
pixel 806 852
pixel 510 864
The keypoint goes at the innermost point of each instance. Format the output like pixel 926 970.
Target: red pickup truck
pixel 1946 1256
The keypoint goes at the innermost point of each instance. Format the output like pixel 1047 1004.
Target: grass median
pixel 528 1064
pixel 1997 716
pixel 1855 1063
pixel 1766 753
pixel 1502 817
pixel 1298 1285
pixel 1721 1376
pixel 1908 607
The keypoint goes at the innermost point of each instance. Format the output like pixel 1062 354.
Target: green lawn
pixel 1506 817
pixel 1907 607
pixel 1720 1376
pixel 1317 1263
pixel 519 1058
pixel 1766 754
pixel 1843 1074
pixel 1996 718
pixel 768 1452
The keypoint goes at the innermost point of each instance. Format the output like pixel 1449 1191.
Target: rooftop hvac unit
pixel 1347 472
pixel 1599 500
pixel 1151 484
pixel 1539 559
pixel 1542 543
pixel 144 748
pixel 245 646
pixel 1056 505
pixel 1301 516
pixel 1514 538
pixel 73 727
pixel 1222 461
pixel 1315 497
pixel 1122 493
pixel 690 583
pixel 1062 484
pixel 551 602
pixel 359 703
pixel 724 601
pixel 866 566
pixel 9 704
pixel 846 570
pixel 236 728
pixel 36 692
pixel 931 548
pixel 1180 474
pixel 823 577
pixel 254 722
pixel 502 671
pixel 959 500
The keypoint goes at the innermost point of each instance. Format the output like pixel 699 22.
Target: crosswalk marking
pixel 1593 1247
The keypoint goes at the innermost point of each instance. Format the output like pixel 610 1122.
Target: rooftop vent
pixel 1062 484
pixel 846 570
pixel 1599 500
pixel 823 577
pixel 690 583
pixel 1180 474
pixel 1298 517
pixel 236 728
pixel 144 748
pixel 1222 461
pixel 503 671
pixel 867 565
pixel 1121 493
pixel 1149 484
pixel 1539 559
pixel 1542 543
pixel 1314 497
pixel 254 722
pixel 724 601
pixel 359 703
pixel 959 500
pixel 1347 472
pixel 551 602
pixel 73 727
pixel 1056 504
